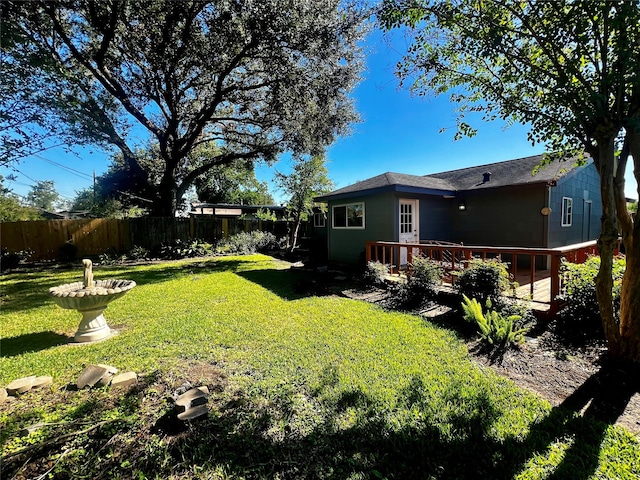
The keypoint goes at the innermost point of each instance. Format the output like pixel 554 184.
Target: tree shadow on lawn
pixel 349 435
pixel 31 342
pixel 240 436
pixel 292 284
pixel 34 292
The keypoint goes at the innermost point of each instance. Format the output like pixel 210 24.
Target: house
pixel 501 204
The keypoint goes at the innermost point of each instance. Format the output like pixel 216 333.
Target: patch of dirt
pixel 578 378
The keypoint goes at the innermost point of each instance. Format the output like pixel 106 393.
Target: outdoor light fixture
pixel 462 205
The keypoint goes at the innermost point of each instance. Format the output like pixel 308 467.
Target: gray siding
pixel 346 245
pixel 504 217
pixel 583 187
pixel 435 218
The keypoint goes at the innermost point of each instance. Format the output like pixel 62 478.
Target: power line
pixel 78 173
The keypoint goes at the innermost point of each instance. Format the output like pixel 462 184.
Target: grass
pixel 302 387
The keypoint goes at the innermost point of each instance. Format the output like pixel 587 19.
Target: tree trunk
pixel 628 347
pixel 294 237
pixel 607 243
pixel 166 204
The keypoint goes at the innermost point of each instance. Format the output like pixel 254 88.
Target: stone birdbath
pixel 90 298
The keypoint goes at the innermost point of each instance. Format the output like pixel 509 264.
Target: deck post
pixel 555 280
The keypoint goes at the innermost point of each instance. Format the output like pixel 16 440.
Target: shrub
pixel 375 273
pixel 496 330
pixel 580 314
pixel 424 277
pixel 181 249
pixel 110 257
pixel 9 260
pixel 138 253
pixel 246 243
pixel 484 280
pixel 68 252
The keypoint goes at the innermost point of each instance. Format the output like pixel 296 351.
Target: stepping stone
pixel 192 398
pixel 94 375
pixel 124 379
pixel 3 395
pixel 20 385
pixel 43 381
pixel 194 412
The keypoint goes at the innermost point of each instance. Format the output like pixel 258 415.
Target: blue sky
pixel 398 133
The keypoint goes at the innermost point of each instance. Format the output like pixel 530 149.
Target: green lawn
pixel 302 387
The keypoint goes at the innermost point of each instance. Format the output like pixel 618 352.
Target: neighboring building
pixel 500 204
pixel 66 215
pixel 225 210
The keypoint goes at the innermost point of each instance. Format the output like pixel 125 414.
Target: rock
pixel 20 385
pixel 43 381
pixel 124 379
pixel 194 412
pixel 193 398
pixel 96 375
pixel 3 395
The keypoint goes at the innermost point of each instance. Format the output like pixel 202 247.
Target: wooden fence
pixel 92 237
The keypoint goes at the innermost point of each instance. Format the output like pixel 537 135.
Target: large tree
pixel 234 183
pixel 570 70
pixel 43 195
pixel 256 77
pixel 11 209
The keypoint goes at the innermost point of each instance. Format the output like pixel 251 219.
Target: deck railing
pixel 455 257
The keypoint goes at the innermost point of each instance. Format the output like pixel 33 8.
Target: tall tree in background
pixel 235 183
pixel 11 209
pixel 256 78
pixel 571 70
pixel 43 195
pixel 308 179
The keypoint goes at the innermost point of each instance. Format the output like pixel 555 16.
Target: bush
pixel 496 330
pixel 110 257
pixel 421 285
pixel 375 273
pixel 484 280
pixel 138 253
pixel 68 252
pixel 246 243
pixel 580 315
pixel 181 249
pixel 9 260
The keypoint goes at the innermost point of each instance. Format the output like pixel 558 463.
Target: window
pixel 348 216
pixel 567 211
pixel 319 219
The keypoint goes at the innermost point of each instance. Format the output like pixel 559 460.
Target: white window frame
pixel 319 220
pixel 346 207
pixel 567 212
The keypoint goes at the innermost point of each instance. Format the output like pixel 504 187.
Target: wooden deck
pixel 540 295
pixel 542 287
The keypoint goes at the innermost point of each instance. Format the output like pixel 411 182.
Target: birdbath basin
pixel 90 298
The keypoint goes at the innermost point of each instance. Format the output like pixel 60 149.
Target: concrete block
pixel 194 412
pixel 124 379
pixel 20 385
pixel 96 375
pixel 42 381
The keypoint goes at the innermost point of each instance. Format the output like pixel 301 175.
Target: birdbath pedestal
pixel 90 298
